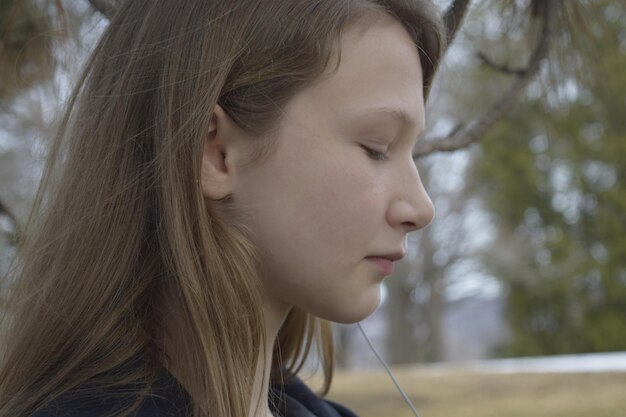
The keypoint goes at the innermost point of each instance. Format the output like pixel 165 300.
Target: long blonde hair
pixel 120 237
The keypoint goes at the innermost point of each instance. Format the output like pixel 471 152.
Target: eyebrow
pixel 395 113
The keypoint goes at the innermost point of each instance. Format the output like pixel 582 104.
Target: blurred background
pixel 513 301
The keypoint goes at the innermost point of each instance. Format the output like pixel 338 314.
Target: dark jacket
pixel 169 399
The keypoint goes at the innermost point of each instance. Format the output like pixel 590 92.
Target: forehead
pixel 379 77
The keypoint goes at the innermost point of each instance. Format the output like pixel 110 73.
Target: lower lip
pixel 384 265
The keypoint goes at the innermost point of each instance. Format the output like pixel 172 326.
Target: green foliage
pixel 553 178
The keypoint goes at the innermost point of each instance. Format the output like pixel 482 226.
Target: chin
pixel 352 310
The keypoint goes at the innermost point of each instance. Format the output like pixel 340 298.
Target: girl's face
pixel 342 186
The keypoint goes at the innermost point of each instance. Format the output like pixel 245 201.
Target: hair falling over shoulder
pixel 124 267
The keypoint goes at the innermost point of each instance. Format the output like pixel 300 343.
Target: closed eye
pixel 375 155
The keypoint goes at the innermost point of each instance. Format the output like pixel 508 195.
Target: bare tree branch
pixel 106 7
pixel 505 69
pixel 462 138
pixel 453 18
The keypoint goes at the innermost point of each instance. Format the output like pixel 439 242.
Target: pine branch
pixel 474 131
pixel 505 69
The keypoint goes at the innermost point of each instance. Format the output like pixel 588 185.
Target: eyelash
pixel 375 155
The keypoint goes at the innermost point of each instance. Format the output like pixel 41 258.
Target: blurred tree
pixel 33 36
pixel 553 178
pixel 26 60
pixel 26 57
pixel 420 290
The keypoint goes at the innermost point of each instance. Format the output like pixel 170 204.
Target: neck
pixel 273 316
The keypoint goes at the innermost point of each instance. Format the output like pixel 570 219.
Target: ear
pixel 219 156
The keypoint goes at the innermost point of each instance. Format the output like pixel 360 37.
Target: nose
pixel 411 207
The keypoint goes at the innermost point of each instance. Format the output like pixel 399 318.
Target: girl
pixel 229 177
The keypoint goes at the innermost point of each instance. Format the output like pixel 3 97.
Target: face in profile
pixel 341 186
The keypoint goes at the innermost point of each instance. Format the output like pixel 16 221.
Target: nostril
pixel 411 225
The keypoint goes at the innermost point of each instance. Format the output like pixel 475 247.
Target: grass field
pixel 459 394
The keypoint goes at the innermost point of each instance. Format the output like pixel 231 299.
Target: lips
pixel 384 263
pixel 395 256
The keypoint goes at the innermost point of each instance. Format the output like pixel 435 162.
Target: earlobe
pixel 217 172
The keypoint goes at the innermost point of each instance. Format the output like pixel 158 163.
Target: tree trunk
pixel 402 344
pixel 342 338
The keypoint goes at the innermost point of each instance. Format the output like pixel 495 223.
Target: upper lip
pixel 395 256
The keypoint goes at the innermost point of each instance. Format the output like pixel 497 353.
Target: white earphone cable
pixel 380 359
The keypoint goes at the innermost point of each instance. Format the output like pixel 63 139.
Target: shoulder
pixel 295 399
pixel 166 399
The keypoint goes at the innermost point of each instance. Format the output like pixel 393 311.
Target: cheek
pixel 315 217
pixel 323 204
